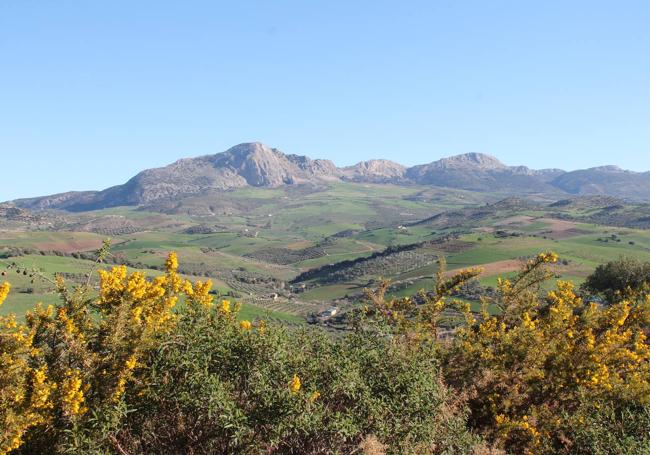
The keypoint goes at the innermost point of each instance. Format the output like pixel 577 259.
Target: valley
pixel 290 252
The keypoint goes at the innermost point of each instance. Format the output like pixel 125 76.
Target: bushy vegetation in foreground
pixel 122 373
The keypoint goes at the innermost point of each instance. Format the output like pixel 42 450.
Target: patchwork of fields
pixel 286 253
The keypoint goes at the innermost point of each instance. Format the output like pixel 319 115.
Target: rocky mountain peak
pixel 257 163
pixel 470 161
pixel 256 152
pixel 375 171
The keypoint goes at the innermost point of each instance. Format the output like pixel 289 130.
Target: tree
pixel 617 280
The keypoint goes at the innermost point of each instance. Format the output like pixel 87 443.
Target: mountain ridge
pixel 255 164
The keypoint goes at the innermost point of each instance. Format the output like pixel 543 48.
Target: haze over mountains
pixel 257 165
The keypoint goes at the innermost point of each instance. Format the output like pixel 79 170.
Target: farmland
pixel 289 252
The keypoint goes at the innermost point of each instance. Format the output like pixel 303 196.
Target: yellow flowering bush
pixel 539 374
pixel 4 292
pixel 15 374
pixel 530 368
pixel 416 322
pixel 79 357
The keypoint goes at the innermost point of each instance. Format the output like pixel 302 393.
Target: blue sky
pixel 92 92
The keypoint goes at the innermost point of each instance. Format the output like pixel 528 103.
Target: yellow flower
pixel 72 394
pixel 314 396
pixel 199 293
pixel 4 291
pixel 295 384
pixel 548 257
pixel 119 389
pixel 245 325
pixel 225 306
pixel 69 325
pixel 171 264
pixel 528 322
pixel 131 362
pixel 41 390
pixel 136 285
pixel 187 288
pixel 136 313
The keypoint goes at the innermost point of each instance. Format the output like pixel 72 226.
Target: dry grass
pixel 71 246
pixel 372 446
pixel 494 268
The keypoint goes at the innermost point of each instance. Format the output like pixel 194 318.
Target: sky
pixel 93 92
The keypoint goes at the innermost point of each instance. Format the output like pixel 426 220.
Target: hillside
pixel 479 172
pixel 606 180
pixel 257 165
pixel 251 164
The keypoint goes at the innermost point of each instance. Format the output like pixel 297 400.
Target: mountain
pixel 606 180
pixel 376 171
pixel 257 165
pixel 480 172
pixel 250 164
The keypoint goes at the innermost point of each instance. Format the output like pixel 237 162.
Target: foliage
pixel 120 372
pixel 549 371
pixel 531 366
pixel 17 412
pixel 72 362
pixel 218 386
pixel 619 279
pixel 606 428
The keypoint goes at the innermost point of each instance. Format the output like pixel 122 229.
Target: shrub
pixel 618 279
pixel 549 371
pixel 72 362
pixel 602 429
pixel 216 386
pixel 120 372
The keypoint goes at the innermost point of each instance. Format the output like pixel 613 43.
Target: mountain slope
pixel 377 171
pixel 250 164
pixel 257 165
pixel 480 172
pixel 606 180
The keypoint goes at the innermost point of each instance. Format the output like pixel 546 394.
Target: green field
pixel 264 238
